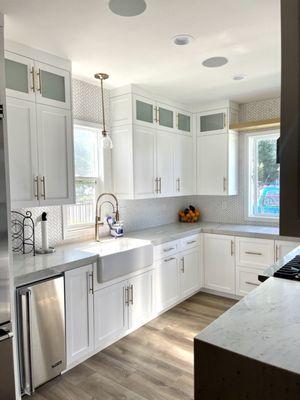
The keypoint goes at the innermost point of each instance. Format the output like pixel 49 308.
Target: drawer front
pixel 247 280
pixel 190 242
pixel 257 253
pixel 166 249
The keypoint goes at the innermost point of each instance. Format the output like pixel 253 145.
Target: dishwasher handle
pixel 25 339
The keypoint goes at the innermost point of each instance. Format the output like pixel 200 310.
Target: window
pixel 263 176
pixel 88 159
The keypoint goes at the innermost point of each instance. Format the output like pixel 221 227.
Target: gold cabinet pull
pixel 178 184
pixel 36 184
pixel 43 180
pixel 39 89
pixel 177 120
pixel 182 265
pixel 32 73
pixel 252 283
pixel 127 296
pixel 131 294
pixel 159 185
pixel 232 247
pixel 253 253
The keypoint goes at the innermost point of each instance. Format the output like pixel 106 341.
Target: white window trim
pixel 85 231
pixel 248 217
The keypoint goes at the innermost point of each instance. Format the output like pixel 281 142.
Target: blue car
pixel 268 202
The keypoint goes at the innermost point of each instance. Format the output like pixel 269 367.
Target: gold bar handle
pixel 37 193
pixel 32 72
pixel 39 88
pixel 232 248
pixel 182 265
pixel 177 120
pixel 253 253
pixel 43 180
pixel 224 184
pixel 127 296
pixel 131 294
pixel 252 283
pixel 159 181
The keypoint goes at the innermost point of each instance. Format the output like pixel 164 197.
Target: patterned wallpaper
pixel 140 214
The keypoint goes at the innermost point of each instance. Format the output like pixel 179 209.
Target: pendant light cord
pixel 104 133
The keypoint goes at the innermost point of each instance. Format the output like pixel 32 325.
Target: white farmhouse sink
pixel 121 256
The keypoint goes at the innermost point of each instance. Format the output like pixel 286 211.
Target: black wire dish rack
pixel 23 232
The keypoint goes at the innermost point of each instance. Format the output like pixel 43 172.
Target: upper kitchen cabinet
pixel 19 76
pixel 53 86
pixel 217 164
pixel 153 153
pixel 40 133
pixel 184 122
pixel 28 79
pixel 217 118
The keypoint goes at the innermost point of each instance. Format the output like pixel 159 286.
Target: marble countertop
pixel 264 325
pixel 28 269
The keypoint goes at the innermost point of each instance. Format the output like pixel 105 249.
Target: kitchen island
pixel 253 350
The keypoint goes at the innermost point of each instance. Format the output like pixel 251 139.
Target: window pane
pixel 265 177
pixel 86 151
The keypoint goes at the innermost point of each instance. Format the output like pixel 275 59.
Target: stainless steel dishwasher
pixel 41 322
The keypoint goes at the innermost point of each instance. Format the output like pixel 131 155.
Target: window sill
pixel 80 232
pixel 264 220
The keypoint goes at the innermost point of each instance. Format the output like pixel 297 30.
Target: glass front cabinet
pixel 184 122
pixel 215 121
pixel 27 79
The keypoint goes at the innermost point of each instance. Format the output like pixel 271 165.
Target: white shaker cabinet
pixel 111 320
pixel 283 247
pixel 79 313
pixel 217 159
pixel 190 271
pixel 40 131
pixel 167 289
pixel 165 148
pixel 140 294
pixel 55 150
pixel 23 152
pixel 219 263
pixel 184 165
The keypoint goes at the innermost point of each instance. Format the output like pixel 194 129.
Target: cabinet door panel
pixel 143 111
pixel 183 122
pixel 143 162
pixel 111 314
pixel 184 165
pixel 165 147
pixel 166 117
pixel 79 314
pixel 19 76
pixel 212 165
pixel 219 263
pixel 22 146
pixel 283 247
pixel 140 299
pixel 53 86
pixel 190 272
pixel 166 283
pixel 215 121
pixel 55 154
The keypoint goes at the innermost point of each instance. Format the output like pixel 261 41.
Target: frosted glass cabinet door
pixel 183 122
pixel 53 86
pixel 213 121
pixel 143 111
pixel 165 116
pixel 19 76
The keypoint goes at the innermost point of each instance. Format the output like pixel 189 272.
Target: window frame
pixel 247 178
pixel 73 231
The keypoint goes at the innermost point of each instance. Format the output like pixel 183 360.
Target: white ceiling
pixel 139 50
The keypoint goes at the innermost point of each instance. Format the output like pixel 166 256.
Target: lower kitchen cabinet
pixel 167 289
pixel 246 280
pixel 190 272
pixel 110 305
pixel 283 247
pixel 219 263
pixel 79 313
pixel 121 307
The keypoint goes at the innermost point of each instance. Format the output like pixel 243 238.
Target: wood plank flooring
pixel 153 363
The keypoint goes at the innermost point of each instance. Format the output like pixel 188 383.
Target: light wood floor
pixel 153 363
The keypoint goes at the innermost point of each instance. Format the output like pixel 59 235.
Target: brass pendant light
pixel 107 142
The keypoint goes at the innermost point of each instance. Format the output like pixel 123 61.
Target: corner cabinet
pixel 158 142
pixel 40 131
pixel 217 164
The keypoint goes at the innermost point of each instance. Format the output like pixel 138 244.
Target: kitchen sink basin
pixel 121 256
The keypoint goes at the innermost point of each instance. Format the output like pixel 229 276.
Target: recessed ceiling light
pixel 238 77
pixel 182 40
pixel 127 8
pixel 215 62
